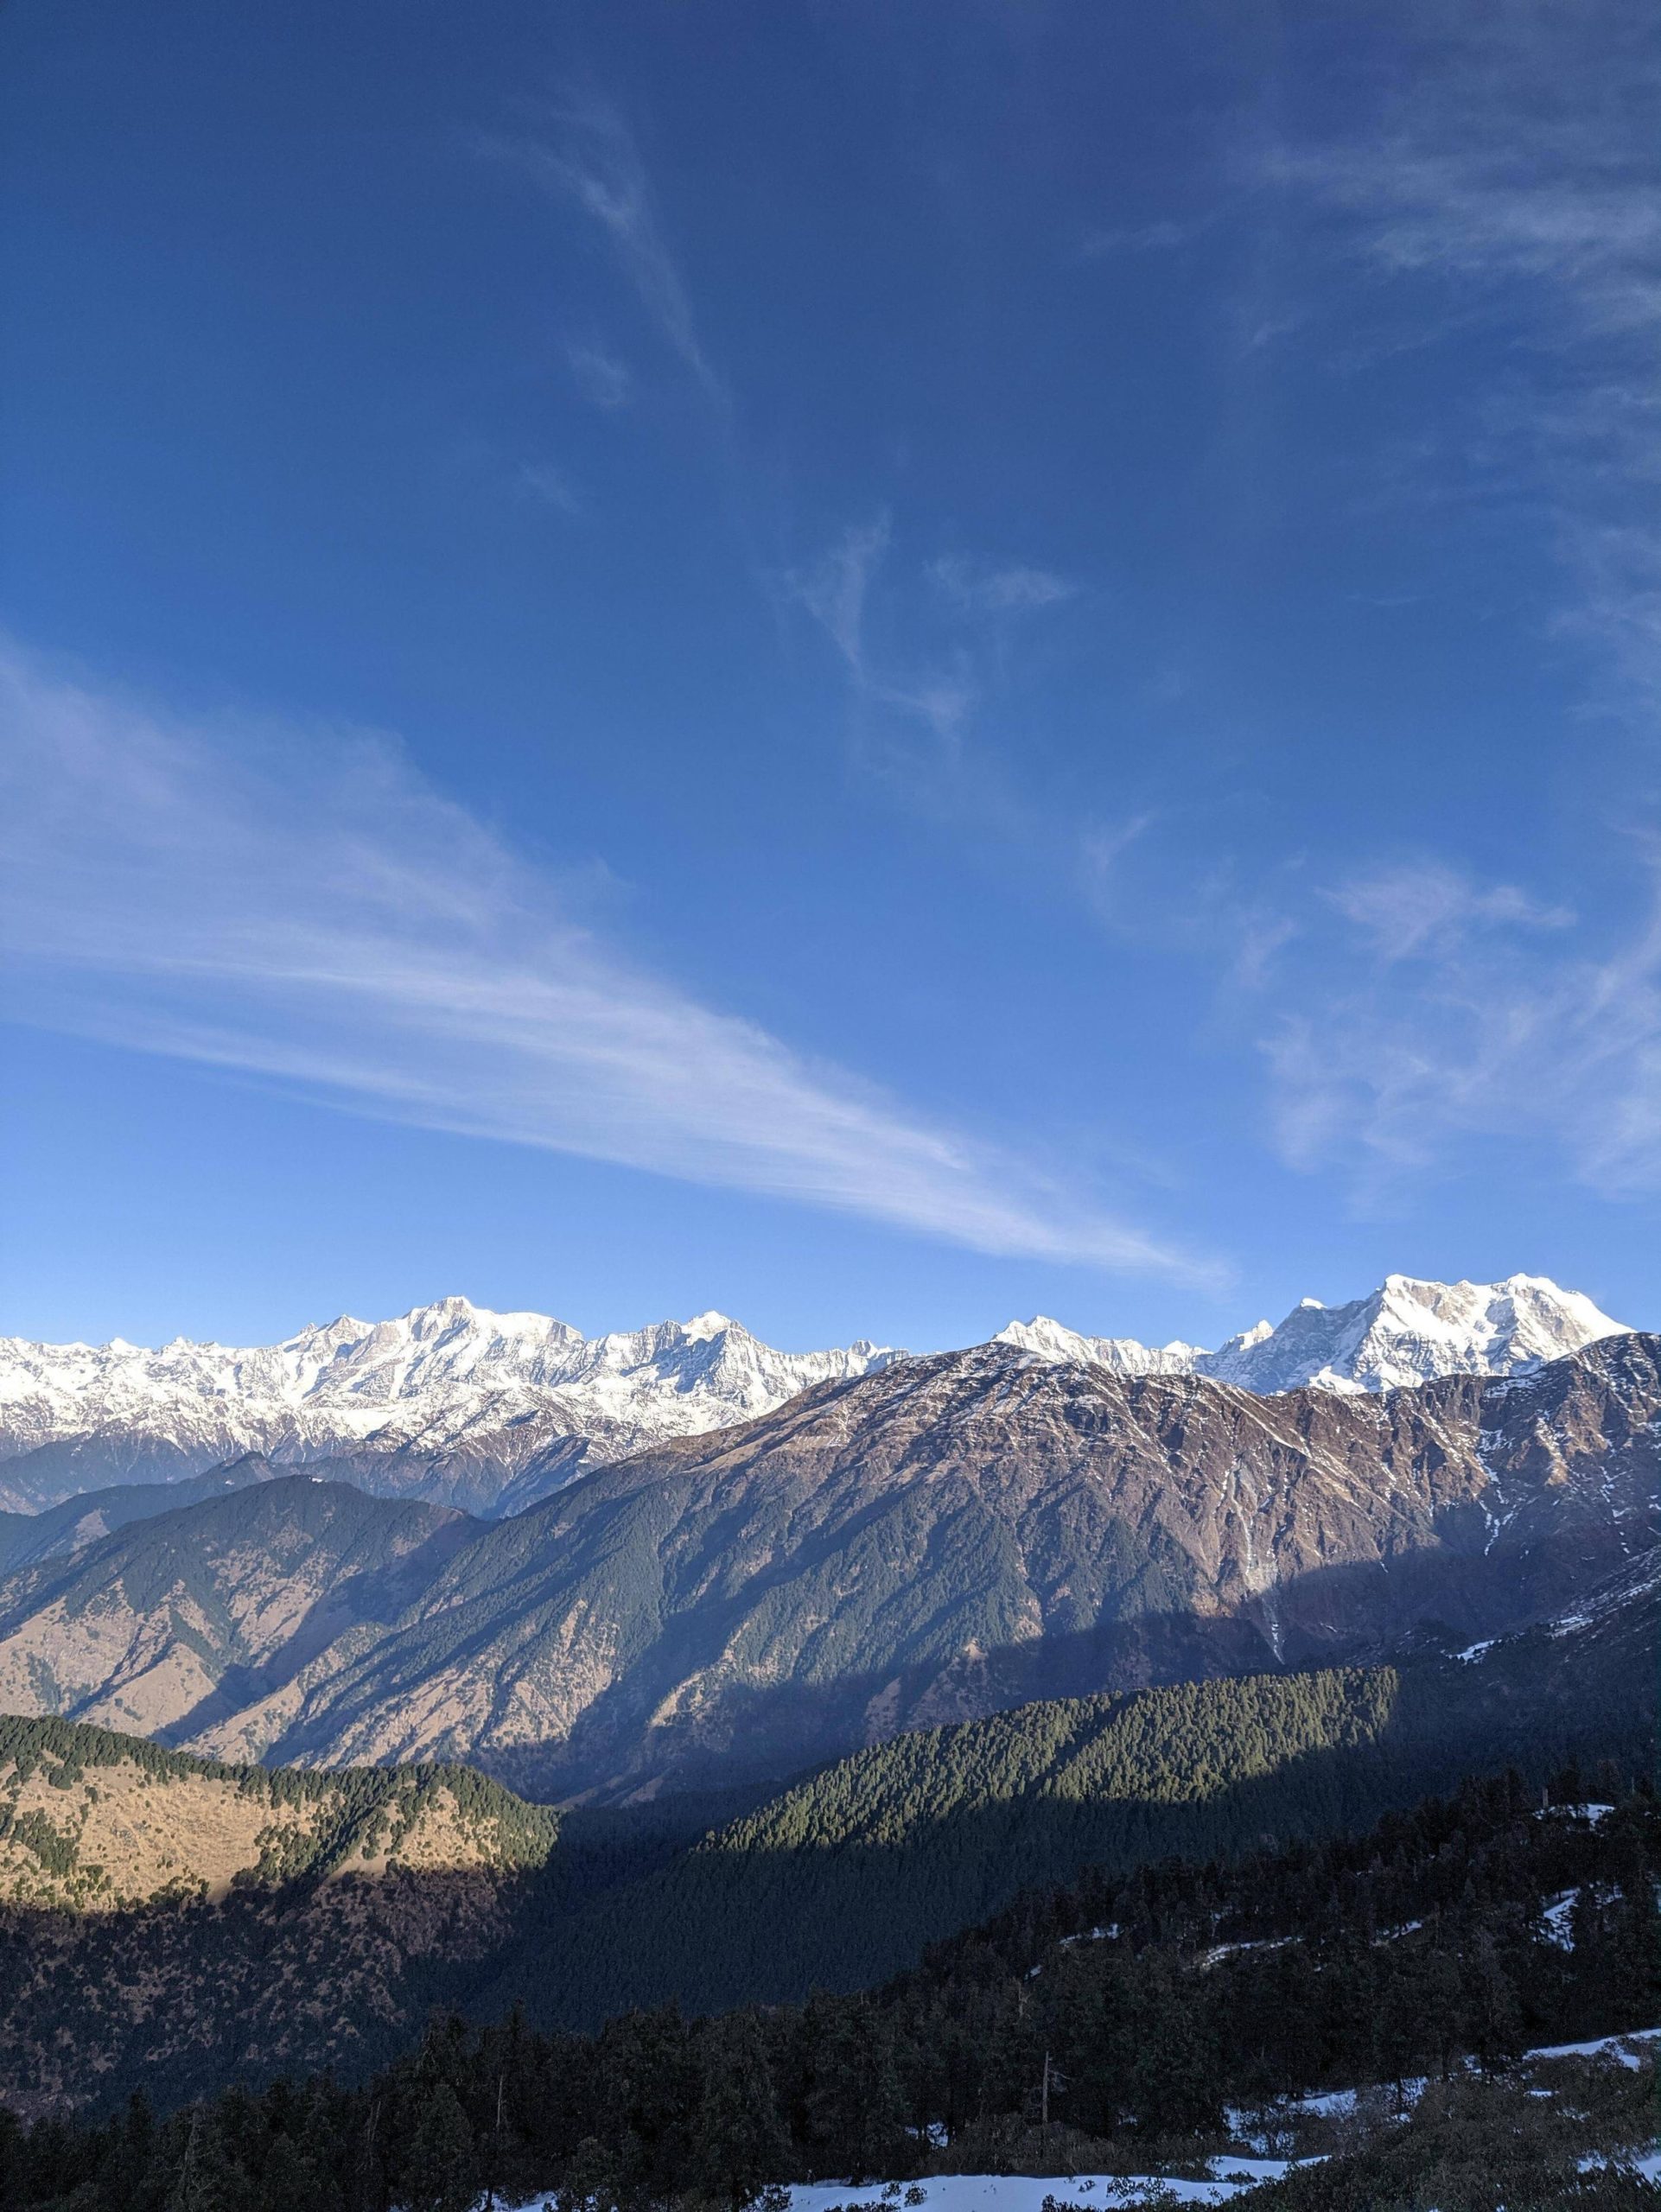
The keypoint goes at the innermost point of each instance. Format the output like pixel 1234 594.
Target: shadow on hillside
pixel 179 1997
pixel 639 1907
pixel 1330 1616
pixel 725 1924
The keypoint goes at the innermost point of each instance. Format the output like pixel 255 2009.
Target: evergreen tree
pixel 1493 2018
pixel 441 2171
pixel 1172 2076
pixel 739 2142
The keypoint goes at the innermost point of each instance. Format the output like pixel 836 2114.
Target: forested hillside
pixel 1114 2011
pixel 160 1912
pixel 169 1622
pixel 291 1918
pixel 844 1877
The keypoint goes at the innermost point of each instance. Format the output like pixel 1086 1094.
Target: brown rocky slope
pixel 959 1534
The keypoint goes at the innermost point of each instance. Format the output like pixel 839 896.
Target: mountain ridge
pixel 1407 1331
pixel 490 1412
pixel 964 1533
pixel 448 1401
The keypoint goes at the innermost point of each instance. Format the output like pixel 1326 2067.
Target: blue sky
pixel 882 667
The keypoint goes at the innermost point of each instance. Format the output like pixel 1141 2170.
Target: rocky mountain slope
pixel 448 1401
pixel 177 1620
pixel 165 1918
pixel 960 1533
pixel 1405 1331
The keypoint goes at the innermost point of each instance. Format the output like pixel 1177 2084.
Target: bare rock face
pixel 959 1534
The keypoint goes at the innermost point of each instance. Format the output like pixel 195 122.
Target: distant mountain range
pixel 486 1411
pixel 491 1412
pixel 1405 1331
pixel 940 1539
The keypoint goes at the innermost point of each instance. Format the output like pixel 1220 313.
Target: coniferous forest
pixel 1112 2015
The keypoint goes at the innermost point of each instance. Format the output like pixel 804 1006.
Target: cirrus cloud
pixel 303 906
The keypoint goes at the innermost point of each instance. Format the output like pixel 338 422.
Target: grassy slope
pixel 91 1818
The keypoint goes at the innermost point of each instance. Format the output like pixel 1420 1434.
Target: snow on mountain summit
pixel 442 1379
pixel 1406 1332
pixel 1051 1340
pixel 491 1411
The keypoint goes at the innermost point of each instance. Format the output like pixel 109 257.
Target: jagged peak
pixel 1407 1330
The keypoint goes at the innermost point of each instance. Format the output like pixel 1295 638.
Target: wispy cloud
pixel 836 593
pixel 541 480
pixel 603 380
pixel 1160 235
pixel 1419 907
pixel 915 705
pixel 585 153
pixel 303 906
pixel 1444 1016
pixel 980 588
pixel 1506 204
pixel 1514 179
pixel 835 589
pixel 1102 846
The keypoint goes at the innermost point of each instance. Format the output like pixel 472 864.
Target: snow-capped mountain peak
pixel 1409 1329
pixel 1052 1340
pixel 491 1410
pixel 445 1379
pixel 1405 1331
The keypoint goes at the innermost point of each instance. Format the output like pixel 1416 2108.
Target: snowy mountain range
pixel 1405 1331
pixel 450 1384
pixel 489 1411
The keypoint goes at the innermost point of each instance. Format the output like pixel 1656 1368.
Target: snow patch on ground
pixel 1231 2174
pixel 1601 2047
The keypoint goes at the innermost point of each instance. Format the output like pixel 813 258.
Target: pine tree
pixel 1172 2076
pixel 440 2172
pixel 1493 2018
pixel 739 2142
